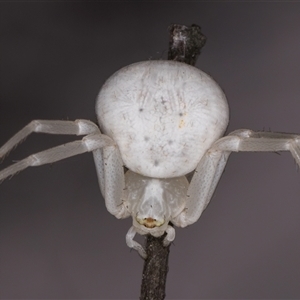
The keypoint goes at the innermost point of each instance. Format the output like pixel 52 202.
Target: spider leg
pixel 110 172
pixel 107 158
pixel 87 144
pixel 170 237
pixel 211 166
pixel 268 142
pixel 78 127
pixel 133 244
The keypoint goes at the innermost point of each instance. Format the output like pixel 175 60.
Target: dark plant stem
pixel 185 43
pixel 184 46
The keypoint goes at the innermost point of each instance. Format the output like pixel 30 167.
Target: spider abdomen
pixel 163 115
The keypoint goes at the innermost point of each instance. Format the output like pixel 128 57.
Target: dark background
pixel 57 239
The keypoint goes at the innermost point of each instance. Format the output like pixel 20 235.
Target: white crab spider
pixel 161 120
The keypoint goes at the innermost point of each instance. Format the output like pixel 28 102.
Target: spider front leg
pixel 212 164
pixel 110 172
pixel 107 158
pixel 109 166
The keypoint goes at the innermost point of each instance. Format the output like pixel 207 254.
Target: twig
pixel 185 43
pixel 184 46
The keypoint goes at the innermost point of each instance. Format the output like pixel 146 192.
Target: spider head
pixel 153 202
pixel 151 210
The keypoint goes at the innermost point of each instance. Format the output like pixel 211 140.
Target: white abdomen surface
pixel 163 115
